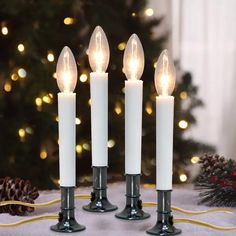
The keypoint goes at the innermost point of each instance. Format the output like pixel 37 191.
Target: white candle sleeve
pixel 133 125
pixel 164 141
pixel 99 118
pixel 67 137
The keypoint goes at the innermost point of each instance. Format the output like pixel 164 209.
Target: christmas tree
pixel 32 36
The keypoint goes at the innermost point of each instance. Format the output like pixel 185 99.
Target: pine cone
pixel 19 190
pixel 217 181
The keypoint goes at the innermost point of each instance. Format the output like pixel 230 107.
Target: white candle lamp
pixel 66 80
pixel 99 54
pixel 165 77
pixel 133 65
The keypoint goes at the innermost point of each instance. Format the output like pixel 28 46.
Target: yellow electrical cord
pixel 202 223
pixel 45 204
pixel 223 210
pixel 46 217
pixel 145 204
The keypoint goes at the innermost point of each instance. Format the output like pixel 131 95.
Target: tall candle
pixel 99 54
pixel 133 69
pixel 66 80
pixel 165 83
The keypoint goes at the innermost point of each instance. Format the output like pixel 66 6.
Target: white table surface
pixel 106 224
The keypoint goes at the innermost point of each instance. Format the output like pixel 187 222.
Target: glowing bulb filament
pixel 98 52
pixel 66 72
pixel 165 76
pixel 134 60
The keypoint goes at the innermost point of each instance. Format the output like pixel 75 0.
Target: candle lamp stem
pixel 67 222
pixel 99 201
pixel 164 225
pixel 133 209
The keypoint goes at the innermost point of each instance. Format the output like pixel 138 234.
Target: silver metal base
pixel 133 209
pixel 99 202
pixel 67 222
pixel 164 225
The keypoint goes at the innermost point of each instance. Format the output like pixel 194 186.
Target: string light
pixel 50 57
pixel 7 87
pixel 4 30
pixel 21 47
pixel 183 124
pixel 79 148
pixel 22 73
pixel 183 177
pixel 121 46
pixel 83 78
pixel 38 101
pixel 111 143
pixel 155 64
pixel 148 108
pixel 14 77
pixel 43 154
pixel 69 21
pixel 183 95
pixel 21 133
pixel 133 14
pixel 195 159
pixel 89 102
pixel 77 121
pixel 29 130
pixel 118 109
pixel 48 98
pixel 86 146
pixel 56 119
pixel 149 12
pixel 54 75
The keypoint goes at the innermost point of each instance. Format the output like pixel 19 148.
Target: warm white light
pixel 149 12
pixel 83 78
pixel 79 148
pixel 86 146
pixel 133 61
pixel 121 46
pixel 69 21
pixel 50 57
pixel 111 143
pixel 22 73
pixel 183 177
pixel 4 30
pixel 7 86
pixel 43 154
pixel 21 47
pixel 165 75
pixel 66 71
pixel 98 51
pixel 195 159
pixel 77 121
pixel 183 124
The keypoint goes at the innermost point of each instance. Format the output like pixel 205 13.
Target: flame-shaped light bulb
pixel 133 61
pixel 66 71
pixel 165 75
pixel 98 51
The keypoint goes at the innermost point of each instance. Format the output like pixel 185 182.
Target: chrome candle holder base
pixel 164 225
pixel 67 222
pixel 99 201
pixel 133 209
